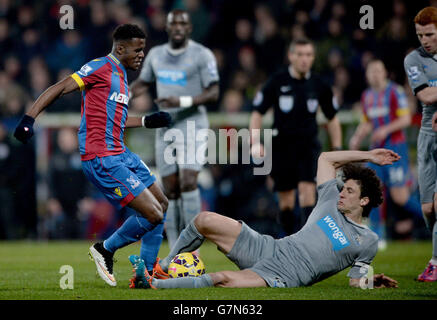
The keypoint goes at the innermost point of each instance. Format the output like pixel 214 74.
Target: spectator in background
pixel 67 185
pixel 335 41
pixel 6 40
pixel 385 116
pixel 68 52
pixel 8 223
pixel 271 45
pixel 233 102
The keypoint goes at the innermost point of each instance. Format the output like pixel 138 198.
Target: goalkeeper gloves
pixel 157 120
pixel 24 130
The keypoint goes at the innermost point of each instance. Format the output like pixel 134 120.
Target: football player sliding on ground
pixel 333 238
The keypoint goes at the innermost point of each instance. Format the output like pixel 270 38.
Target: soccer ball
pixel 186 265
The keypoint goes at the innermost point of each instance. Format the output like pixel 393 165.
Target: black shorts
pixel 294 160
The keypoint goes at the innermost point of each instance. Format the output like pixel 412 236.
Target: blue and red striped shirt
pixel 104 107
pixel 383 107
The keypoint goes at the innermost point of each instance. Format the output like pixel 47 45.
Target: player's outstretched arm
pixel 329 162
pixel 24 130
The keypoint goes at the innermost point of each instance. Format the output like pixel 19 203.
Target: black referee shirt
pixel 295 102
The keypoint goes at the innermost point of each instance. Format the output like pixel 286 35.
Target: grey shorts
pixel 427 166
pixel 177 147
pixel 251 247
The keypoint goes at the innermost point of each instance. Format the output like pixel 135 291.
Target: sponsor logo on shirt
pixel 334 233
pixel 119 97
pixel 373 113
pixel 173 77
pixel 432 82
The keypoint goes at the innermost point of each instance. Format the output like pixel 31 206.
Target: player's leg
pixel 284 175
pixel 172 191
pixel 151 241
pixel 287 201
pixel 221 230
pixel 122 188
pixel 307 171
pixel 307 199
pixel 190 196
pixel 427 170
pixel 191 203
pixel 228 279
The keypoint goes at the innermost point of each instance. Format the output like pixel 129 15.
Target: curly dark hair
pixel 127 32
pixel 369 183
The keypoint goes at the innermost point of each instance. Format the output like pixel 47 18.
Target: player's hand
pixel 434 121
pixel 24 130
pixel 169 102
pixel 383 156
pixel 158 120
pixel 382 281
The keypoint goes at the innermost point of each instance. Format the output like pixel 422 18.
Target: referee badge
pixel 286 103
pixel 312 105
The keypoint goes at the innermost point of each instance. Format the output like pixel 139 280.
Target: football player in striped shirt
pixel 385 116
pixel 119 174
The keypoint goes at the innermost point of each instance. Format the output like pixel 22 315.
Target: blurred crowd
pixel 249 39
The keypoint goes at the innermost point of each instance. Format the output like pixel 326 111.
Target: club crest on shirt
pixel 286 103
pixel 134 183
pixel 312 105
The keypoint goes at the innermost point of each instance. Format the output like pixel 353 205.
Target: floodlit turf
pixel 30 270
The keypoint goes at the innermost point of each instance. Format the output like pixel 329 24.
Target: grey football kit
pixel 184 74
pixel 328 243
pixel 421 69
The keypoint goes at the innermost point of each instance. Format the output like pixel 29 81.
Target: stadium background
pixel 43 193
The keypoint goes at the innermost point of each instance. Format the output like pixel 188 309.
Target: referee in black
pixel 295 94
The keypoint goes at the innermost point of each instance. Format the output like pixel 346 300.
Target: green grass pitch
pixel 31 270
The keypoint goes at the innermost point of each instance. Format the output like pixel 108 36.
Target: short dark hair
pixel 127 32
pixel 300 42
pixel 370 184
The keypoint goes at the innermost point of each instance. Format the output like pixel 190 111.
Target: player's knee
pixel 188 184
pixel 164 204
pixel 204 221
pixel 154 214
pixel 221 278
